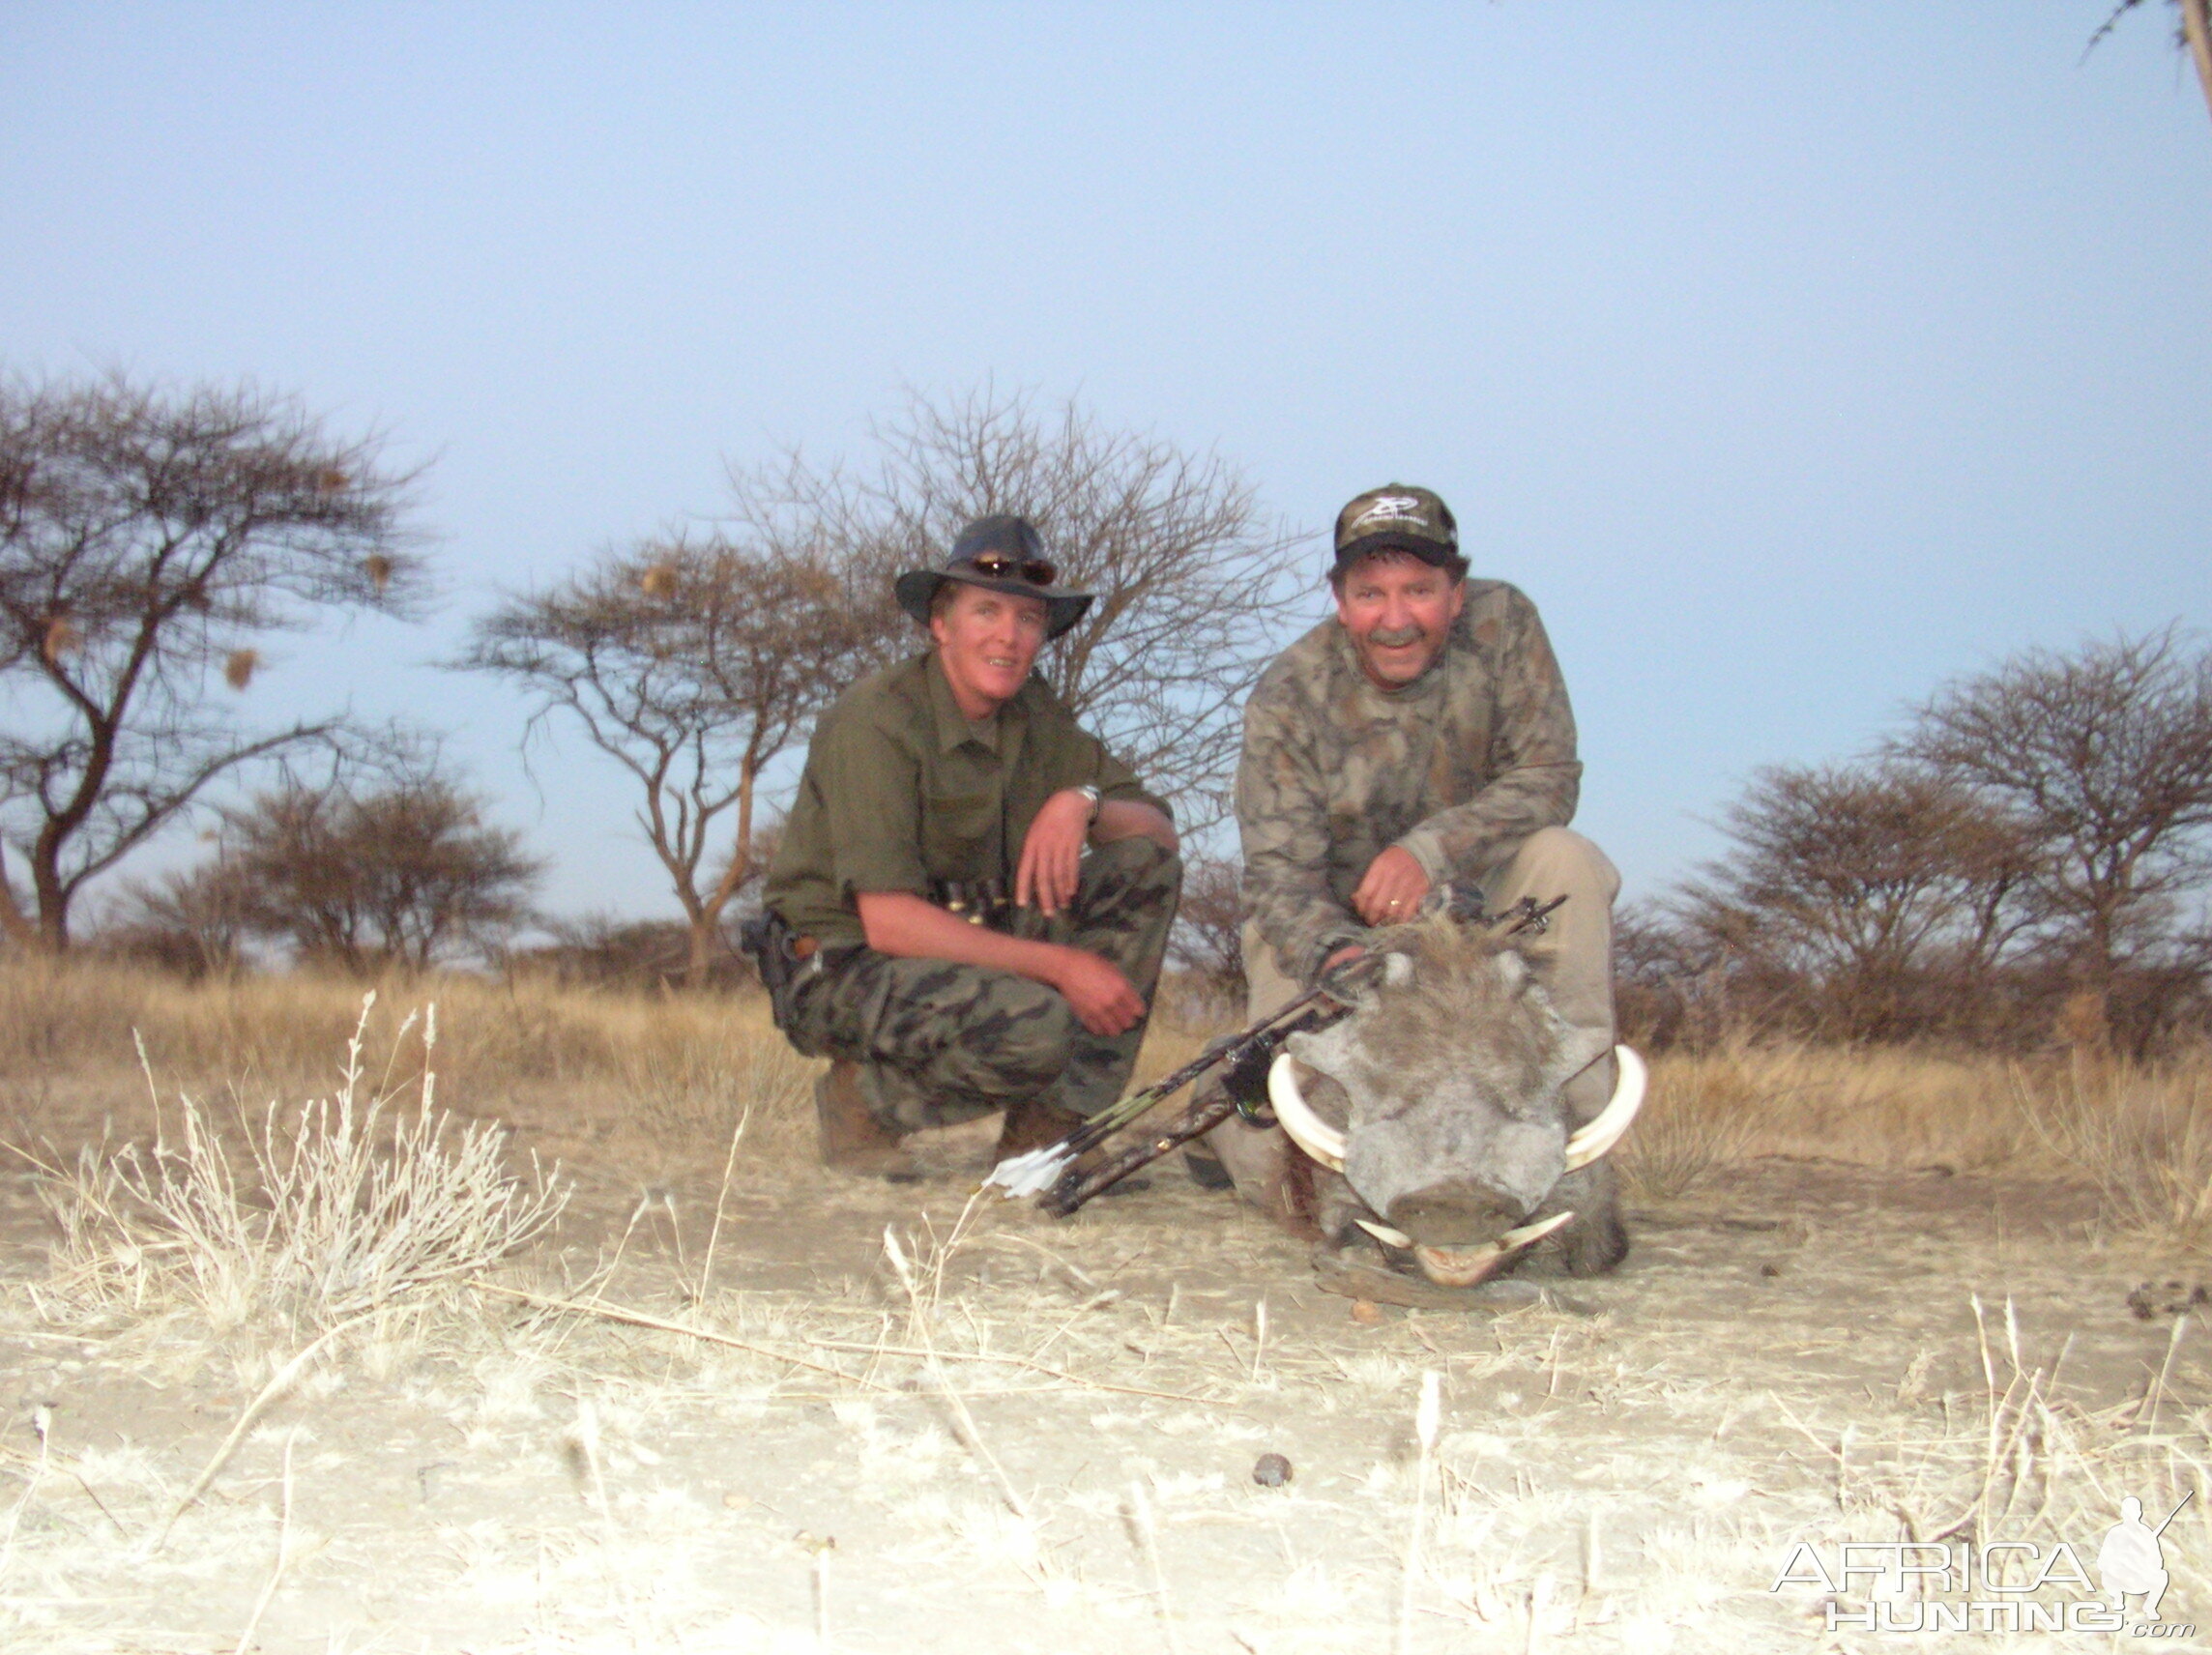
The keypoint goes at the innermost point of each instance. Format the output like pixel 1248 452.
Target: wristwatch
pixel 1090 797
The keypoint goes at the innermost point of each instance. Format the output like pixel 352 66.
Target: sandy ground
pixel 1048 1442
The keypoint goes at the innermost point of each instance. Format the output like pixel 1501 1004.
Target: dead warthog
pixel 1433 1111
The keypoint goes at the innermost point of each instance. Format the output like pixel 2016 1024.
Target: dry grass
pixel 677 1070
pixel 314 1212
pixel 2142 1138
pixel 647 1079
pixel 2140 1135
pixel 60 1015
pixel 2022 1458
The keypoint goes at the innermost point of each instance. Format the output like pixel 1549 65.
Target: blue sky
pixel 1792 357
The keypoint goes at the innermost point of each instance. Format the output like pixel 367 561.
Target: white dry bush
pixel 313 1212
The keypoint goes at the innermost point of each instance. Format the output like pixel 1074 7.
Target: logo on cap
pixel 1390 508
pixel 1387 510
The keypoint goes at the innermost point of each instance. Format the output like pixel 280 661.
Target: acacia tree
pixel 150 540
pixel 1870 899
pixel 2104 757
pixel 692 662
pixel 2039 832
pixel 1195 584
pixel 401 869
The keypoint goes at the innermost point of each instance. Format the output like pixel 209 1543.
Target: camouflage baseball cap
pixel 1397 518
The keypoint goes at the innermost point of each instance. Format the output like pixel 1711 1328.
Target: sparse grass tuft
pixel 316 1213
pixel 693 1093
pixel 1694 1120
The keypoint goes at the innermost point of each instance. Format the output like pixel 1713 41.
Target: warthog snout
pixel 1438 1099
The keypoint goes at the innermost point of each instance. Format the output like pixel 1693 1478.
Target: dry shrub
pixel 2142 1137
pixel 313 1214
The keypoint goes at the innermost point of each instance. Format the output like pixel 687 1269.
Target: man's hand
pixel 1392 889
pixel 1051 854
pixel 900 923
pixel 1103 1000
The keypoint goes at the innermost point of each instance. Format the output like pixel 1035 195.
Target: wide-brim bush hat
pixel 1000 554
pixel 1398 518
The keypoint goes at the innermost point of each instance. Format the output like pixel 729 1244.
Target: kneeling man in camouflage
pixel 1420 736
pixel 977 893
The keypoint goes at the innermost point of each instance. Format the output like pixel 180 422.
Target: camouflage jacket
pixel 1474 755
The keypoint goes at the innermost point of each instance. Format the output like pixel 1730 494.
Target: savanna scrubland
pixel 529 1323
pixel 712 1397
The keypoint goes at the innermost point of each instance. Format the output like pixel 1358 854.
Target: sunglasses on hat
pixel 999 567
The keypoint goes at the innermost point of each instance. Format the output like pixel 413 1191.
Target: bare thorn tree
pixel 388 866
pixel 2105 755
pixel 190 921
pixel 693 663
pixel 147 538
pixel 1196 585
pixel 1863 901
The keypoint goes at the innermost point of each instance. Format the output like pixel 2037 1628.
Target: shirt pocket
pixel 959 836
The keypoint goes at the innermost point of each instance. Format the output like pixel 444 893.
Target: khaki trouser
pixel 1573 960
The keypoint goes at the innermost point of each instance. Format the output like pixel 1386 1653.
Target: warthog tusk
pixel 1450 1267
pixel 1513 1240
pixel 1307 1130
pixel 1594 1137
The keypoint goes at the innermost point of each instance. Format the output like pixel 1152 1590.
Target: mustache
pixel 1396 637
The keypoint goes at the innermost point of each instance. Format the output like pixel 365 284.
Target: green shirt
pixel 902 791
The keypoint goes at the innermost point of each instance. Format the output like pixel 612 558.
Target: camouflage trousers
pixel 940 1043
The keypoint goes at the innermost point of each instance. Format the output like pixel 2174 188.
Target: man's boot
pixel 1033 1123
pixel 852 1139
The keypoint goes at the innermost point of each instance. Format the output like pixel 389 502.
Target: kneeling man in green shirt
pixel 981 893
